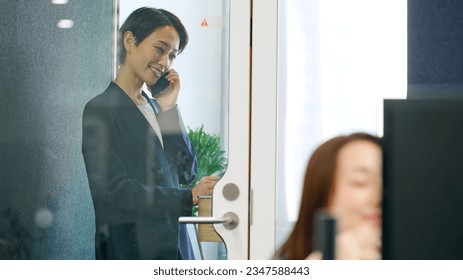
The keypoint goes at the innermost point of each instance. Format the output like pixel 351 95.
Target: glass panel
pixel 338 61
pixel 46 209
pixel 54 59
pixel 204 70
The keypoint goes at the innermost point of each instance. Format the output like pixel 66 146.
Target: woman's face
pixel 154 55
pixel 358 185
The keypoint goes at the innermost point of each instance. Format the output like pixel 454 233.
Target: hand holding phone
pixel 161 84
pixel 166 90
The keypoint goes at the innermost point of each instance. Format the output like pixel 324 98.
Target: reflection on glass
pixel 65 23
pixel 46 210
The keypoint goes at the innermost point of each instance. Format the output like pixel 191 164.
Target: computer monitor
pixel 435 91
pixel 423 179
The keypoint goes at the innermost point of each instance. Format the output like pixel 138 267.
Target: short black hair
pixel 144 21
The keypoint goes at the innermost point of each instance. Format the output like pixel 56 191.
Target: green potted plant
pixel 210 156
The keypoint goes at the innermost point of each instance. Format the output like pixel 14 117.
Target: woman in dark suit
pixel 136 150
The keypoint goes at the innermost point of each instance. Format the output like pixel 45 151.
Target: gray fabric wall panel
pixel 435 53
pixel 48 74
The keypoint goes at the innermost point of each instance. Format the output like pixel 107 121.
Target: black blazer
pixel 134 181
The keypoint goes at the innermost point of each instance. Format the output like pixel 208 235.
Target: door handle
pixel 229 220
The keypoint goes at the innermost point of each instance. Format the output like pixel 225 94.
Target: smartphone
pixel 161 84
pixel 325 234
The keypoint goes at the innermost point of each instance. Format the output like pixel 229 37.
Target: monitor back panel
pixel 423 179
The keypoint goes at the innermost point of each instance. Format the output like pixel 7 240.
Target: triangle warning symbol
pixel 204 23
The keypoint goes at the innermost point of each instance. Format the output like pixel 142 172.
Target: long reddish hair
pixel 318 192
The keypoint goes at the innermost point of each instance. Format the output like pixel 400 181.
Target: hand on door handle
pixel 205 186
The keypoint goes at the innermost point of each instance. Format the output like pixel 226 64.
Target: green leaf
pixel 209 154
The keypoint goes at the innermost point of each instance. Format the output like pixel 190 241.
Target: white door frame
pixel 263 128
pixel 252 131
pixel 237 172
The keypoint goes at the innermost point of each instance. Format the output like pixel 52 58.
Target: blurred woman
pixel 344 175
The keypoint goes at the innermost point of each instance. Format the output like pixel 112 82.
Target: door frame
pixel 252 131
pixel 237 173
pixel 263 157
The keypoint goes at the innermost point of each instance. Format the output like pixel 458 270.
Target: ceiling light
pixel 65 23
pixel 59 2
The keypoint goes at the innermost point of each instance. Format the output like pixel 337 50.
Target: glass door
pixel 214 101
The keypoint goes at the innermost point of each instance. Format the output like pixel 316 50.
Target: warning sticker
pixel 212 22
pixel 204 23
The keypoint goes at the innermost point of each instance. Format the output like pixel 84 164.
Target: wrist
pixel 166 107
pixel 194 197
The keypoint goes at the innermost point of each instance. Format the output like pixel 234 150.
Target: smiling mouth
pixel 156 72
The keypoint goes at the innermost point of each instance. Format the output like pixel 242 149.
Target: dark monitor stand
pixel 423 179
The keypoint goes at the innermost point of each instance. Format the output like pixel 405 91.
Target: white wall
pixel 338 60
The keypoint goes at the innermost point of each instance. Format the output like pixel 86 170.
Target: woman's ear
pixel 129 40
